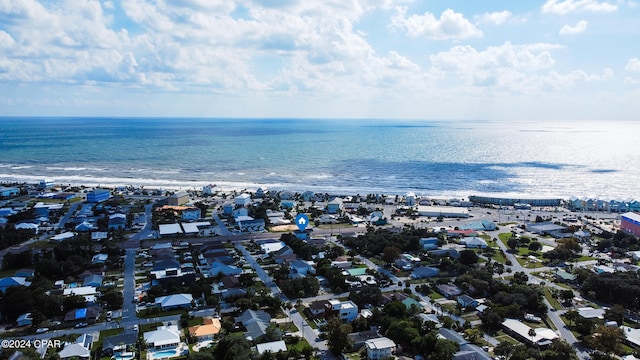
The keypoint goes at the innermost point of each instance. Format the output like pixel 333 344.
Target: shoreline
pixel 226 187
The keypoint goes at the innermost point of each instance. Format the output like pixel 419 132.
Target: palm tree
pixel 532 333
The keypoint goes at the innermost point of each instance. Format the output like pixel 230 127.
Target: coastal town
pixel 145 273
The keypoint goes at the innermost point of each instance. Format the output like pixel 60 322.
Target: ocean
pixel 431 158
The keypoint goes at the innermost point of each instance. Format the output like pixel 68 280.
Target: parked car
pixel 41 330
pixel 81 325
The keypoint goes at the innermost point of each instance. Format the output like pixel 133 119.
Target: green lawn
pixel 499 257
pixel 554 303
pixel 304 315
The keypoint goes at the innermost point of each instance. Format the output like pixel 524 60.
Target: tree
pixel 606 339
pixel 535 246
pixel 232 347
pixel 444 350
pixel 403 332
pixel 583 326
pixel 566 296
pixel 337 339
pixel 559 350
pixel 472 334
pixel 468 257
pixel 390 254
pixel 572 316
pixel 615 313
pixel 112 297
pixel 504 349
pixel 513 243
pixel 520 278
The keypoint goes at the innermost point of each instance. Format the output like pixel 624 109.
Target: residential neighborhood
pixel 132 273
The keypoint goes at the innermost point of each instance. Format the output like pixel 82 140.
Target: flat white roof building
pixel 170 229
pixel 444 211
pixel 543 336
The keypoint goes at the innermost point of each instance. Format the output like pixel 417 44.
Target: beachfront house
pixel 98 195
pixel 179 198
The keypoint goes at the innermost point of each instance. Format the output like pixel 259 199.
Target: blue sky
pixel 465 59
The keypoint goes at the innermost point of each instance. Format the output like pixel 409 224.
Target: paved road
pixel 129 308
pixel 553 316
pixel 67 216
pixel 306 331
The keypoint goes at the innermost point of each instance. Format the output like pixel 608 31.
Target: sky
pixel 383 59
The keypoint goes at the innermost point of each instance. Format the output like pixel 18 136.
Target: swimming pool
pixel 123 356
pixel 165 353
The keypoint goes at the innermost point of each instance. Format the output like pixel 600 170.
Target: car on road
pixel 81 325
pixel 41 330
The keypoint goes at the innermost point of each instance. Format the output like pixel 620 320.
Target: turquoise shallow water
pixel 346 156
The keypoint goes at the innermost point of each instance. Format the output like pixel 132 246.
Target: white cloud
pixel 496 18
pixel 633 65
pixel 513 69
pixel 451 25
pixel 579 28
pixel 563 7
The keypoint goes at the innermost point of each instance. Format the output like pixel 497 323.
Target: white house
pixel 540 336
pixel 174 301
pixel 474 243
pixel 379 348
pixel 272 347
pixel 81 349
pixel 62 237
pixel 243 199
pixel 410 199
pixel 164 337
pixel 345 310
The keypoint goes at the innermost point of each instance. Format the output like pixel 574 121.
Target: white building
pixel 474 243
pixel 379 348
pixel 243 199
pixel 444 211
pixel 410 199
pixel 541 336
pixel 164 337
pixel 345 310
